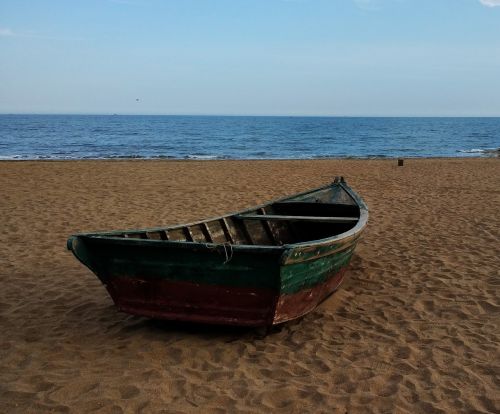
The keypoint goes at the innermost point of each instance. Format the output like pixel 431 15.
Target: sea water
pixel 25 137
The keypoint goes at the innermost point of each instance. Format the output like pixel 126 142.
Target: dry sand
pixel 415 328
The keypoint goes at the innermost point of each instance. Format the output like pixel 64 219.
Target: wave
pixel 59 157
pixel 481 151
pixel 255 156
pixel 205 157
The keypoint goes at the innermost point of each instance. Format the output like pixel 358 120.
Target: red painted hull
pixel 228 305
pixel 258 267
pixel 295 305
pixel 176 300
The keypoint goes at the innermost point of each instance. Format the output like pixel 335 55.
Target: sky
pixel 251 57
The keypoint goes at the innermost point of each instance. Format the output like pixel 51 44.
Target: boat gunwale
pixel 351 233
pixel 184 244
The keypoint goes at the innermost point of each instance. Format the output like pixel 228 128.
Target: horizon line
pixel 241 115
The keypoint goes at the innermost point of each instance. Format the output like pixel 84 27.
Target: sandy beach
pixel 414 329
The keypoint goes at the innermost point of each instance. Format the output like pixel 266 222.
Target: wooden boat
pixel 258 267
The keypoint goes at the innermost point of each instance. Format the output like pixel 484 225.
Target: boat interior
pixel 284 222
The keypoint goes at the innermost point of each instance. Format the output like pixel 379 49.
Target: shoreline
pixel 160 159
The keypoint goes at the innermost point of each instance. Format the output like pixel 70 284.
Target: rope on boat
pixel 228 250
pixel 230 255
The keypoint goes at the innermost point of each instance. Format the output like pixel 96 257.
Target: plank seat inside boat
pixel 314 216
pixel 297 218
pixel 304 208
pixel 272 225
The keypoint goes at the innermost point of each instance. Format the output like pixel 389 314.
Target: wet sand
pixel 415 328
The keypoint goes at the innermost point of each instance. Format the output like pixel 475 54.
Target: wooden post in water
pixel 400 162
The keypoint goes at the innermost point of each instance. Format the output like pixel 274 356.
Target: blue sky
pixel 256 57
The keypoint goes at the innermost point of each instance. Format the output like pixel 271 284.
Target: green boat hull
pixel 223 283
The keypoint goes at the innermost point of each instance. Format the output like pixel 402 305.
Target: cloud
pixel 5 32
pixel 377 4
pixel 490 3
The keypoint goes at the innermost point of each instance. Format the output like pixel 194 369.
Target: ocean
pixel 28 137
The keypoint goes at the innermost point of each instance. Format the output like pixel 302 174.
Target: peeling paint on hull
pixel 295 305
pixel 174 300
pixel 228 305
pixel 237 269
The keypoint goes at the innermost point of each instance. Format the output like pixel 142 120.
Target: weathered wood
pixel 304 208
pixel 258 233
pixel 244 229
pixel 136 235
pixel 281 229
pixel 236 229
pixel 216 231
pixel 268 228
pixel 153 235
pixel 206 232
pixel 259 267
pixel 177 234
pixel 297 218
pixel 227 232
pixel 197 233
pixel 188 234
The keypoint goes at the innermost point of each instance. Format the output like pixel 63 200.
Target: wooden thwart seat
pixel 274 217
